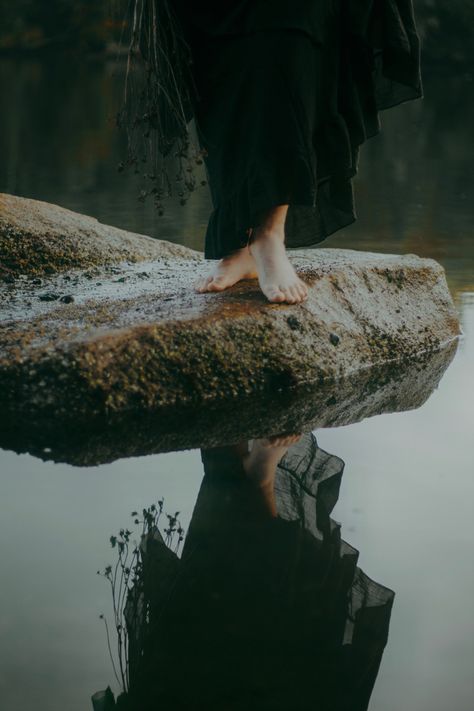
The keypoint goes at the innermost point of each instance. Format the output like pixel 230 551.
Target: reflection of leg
pixel 276 275
pixel 261 462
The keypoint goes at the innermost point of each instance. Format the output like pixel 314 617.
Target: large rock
pixel 137 337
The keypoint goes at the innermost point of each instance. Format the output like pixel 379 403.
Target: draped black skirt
pixel 282 113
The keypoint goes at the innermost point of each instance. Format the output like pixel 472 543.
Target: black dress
pixel 287 91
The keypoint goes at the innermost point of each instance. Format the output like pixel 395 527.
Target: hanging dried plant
pixel 158 103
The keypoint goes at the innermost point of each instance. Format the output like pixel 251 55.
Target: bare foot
pixel 276 275
pixel 229 270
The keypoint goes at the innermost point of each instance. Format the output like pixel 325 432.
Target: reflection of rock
pixel 392 388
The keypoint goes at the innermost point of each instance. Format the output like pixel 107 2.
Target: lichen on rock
pixel 128 333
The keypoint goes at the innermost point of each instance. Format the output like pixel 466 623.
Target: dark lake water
pixel 258 611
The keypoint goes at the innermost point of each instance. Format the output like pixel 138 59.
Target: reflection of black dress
pixel 261 612
pixel 288 90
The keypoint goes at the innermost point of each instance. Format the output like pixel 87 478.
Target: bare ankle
pixel 270 227
pixel 235 254
pixel 269 235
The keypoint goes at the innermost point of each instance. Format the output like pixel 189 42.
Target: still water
pixel 262 614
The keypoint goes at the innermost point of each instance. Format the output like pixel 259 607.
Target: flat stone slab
pixel 133 336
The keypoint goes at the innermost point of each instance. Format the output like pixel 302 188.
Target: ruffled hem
pixel 370 62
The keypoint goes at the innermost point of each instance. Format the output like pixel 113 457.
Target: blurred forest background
pixel 446 26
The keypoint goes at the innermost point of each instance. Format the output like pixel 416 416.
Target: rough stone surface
pixel 124 337
pixel 37 238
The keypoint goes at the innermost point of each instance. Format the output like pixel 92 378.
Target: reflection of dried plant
pixel 128 582
pixel 157 108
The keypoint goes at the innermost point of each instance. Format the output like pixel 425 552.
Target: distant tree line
pixel 447 30
pixel 446 26
pixel 32 25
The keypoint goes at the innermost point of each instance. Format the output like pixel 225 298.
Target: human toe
pixel 303 293
pixel 274 293
pixel 302 289
pixel 201 285
pixel 290 296
pixel 304 286
pixel 295 293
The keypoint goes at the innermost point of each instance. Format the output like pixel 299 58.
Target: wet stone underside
pixel 95 320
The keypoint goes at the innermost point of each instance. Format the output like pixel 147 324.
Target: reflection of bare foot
pixel 261 462
pixel 276 275
pixel 229 270
pixel 280 441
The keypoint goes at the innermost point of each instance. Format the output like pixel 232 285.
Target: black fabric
pixel 286 94
pixel 225 18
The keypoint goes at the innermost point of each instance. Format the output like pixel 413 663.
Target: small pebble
pixel 334 338
pixel 49 296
